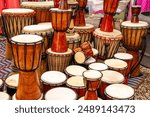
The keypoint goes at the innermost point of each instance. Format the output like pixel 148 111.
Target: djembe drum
pixel 119 92
pixel 92 80
pixel 133 32
pixel 109 77
pixel 27 51
pixel 41 9
pixel 60 93
pixel 76 83
pixel 46 32
pixel 13 22
pixel 127 58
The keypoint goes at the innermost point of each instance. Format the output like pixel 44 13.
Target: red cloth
pixel 1 6
pixel 12 4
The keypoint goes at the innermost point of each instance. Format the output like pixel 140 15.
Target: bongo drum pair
pixel 77 84
pixel 52 79
pixel 46 32
pixel 107 43
pixel 11 83
pixel 13 22
pixel 109 77
pixel 41 9
pixel 119 92
pixel 27 52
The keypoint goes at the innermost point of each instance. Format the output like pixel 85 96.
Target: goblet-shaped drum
pixel 110 7
pixel 92 80
pixel 60 22
pixel 41 9
pixel 135 12
pixel 27 50
pixel 80 19
pixel 13 22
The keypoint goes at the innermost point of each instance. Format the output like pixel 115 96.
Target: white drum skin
pixel 52 79
pixel 66 94
pixel 75 70
pixel 119 92
pixel 4 96
pixel 98 66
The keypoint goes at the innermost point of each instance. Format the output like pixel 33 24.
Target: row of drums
pixel 71 85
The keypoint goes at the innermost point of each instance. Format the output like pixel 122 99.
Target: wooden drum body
pixel 109 77
pixel 132 40
pixel 52 79
pixel 46 32
pixel 107 43
pixel 41 9
pixel 59 61
pixel 13 22
pixel 76 83
pixel 27 51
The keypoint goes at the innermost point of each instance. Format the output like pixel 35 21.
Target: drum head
pixel 98 66
pixel 73 38
pixel 1 83
pixel 12 81
pixel 123 56
pixel 4 96
pixel 92 75
pixel 95 51
pixel 17 11
pixel 26 38
pixel 75 82
pixel 75 70
pixel 86 27
pixel 53 77
pixel 112 77
pixel 134 25
pixel 116 64
pixel 89 61
pixel 46 23
pixel 60 93
pixel 119 91
pixel 49 51
pixel 80 57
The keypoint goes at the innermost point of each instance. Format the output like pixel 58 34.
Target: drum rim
pixel 57 10
pixel 89 79
pixel 74 87
pixel 94 60
pixel 58 84
pixel 73 74
pixel 72 38
pixel 9 97
pixel 114 98
pixel 16 13
pixel 133 27
pixel 58 54
pixel 96 69
pixel 82 28
pixel 76 95
pixel 121 58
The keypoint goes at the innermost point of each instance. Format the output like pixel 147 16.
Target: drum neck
pixel 63 5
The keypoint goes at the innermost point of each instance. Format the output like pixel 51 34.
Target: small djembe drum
pixel 27 52
pixel 119 92
pixel 46 32
pixel 76 83
pixel 92 80
pixel 41 9
pixel 60 93
pixel 109 77
pixel 52 79
pixel 133 32
pixel 13 22
pixel 127 58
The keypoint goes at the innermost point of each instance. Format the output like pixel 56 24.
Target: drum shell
pixel 82 3
pixel 29 54
pixel 132 37
pixel 60 19
pixel 1 86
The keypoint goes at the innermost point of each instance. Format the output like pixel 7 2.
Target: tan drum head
pixel 61 93
pixel 75 70
pixel 123 56
pixel 112 77
pixel 92 75
pixel 53 78
pixel 75 82
pixel 116 64
pixel 86 27
pixel 37 29
pixel 49 51
pixel 73 38
pixel 26 38
pixel 12 81
pixel 90 60
pixel 119 91
pixel 60 10
pixel 1 83
pixel 80 57
pixel 134 25
pixel 46 23
pixel 98 66
pixel 82 98
pixel 4 96
pixel 17 11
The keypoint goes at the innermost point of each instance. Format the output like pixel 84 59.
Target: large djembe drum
pixel 92 80
pixel 13 22
pixel 41 9
pixel 46 32
pixel 133 32
pixel 27 51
